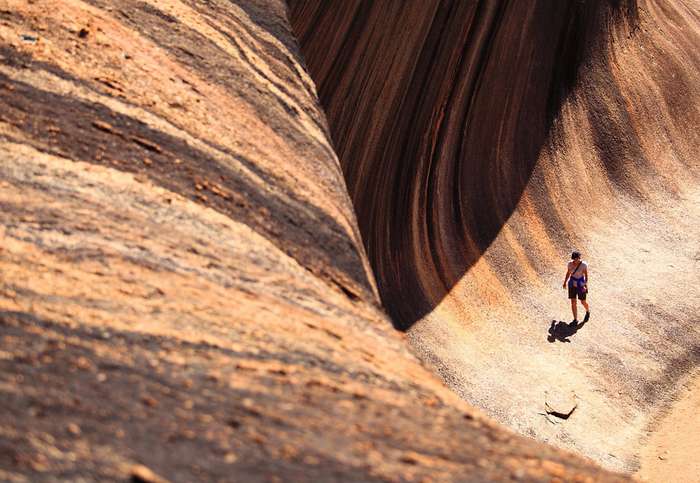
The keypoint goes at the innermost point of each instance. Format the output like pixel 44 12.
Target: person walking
pixel 577 276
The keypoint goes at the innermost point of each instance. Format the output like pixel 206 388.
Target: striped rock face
pixel 187 293
pixel 482 142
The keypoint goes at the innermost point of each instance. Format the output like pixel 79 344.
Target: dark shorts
pixel 574 292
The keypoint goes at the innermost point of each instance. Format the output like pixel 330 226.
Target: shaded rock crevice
pixel 481 143
pixel 439 112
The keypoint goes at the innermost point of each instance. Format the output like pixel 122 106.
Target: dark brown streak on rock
pixel 17 59
pixel 488 108
pixel 214 13
pixel 205 56
pixel 585 33
pixel 617 147
pixel 236 43
pixel 95 134
pixel 675 370
pixel 472 77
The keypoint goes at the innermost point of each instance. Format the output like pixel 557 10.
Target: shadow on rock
pixel 561 331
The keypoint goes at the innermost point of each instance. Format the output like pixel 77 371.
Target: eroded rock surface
pixel 184 292
pixel 481 143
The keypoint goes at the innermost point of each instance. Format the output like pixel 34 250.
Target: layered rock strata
pixel 481 143
pixel 184 292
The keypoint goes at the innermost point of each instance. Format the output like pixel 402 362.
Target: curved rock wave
pixel 440 112
pixel 481 142
pixel 184 294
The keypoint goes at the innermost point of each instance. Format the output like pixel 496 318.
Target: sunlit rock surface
pixel 482 142
pixel 184 292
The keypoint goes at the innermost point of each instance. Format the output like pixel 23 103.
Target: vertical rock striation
pixel 183 290
pixel 482 141
pixel 439 111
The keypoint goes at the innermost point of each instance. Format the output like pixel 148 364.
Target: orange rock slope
pixel 184 290
pixel 481 143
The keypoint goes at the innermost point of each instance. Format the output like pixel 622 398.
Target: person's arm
pixel 566 277
pixel 585 274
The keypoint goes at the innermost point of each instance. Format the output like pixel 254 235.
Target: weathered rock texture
pixel 184 292
pixel 481 142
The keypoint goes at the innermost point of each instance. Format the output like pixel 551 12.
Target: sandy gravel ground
pixel 671 452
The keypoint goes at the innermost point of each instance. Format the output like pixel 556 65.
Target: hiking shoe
pixel 588 316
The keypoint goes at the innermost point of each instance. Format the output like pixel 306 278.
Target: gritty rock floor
pixel 487 141
pixel 184 292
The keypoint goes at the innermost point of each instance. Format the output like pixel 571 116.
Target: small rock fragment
pixel 83 363
pixel 147 144
pixel 103 126
pixel 560 405
pixel 408 459
pixel 149 401
pixel 143 474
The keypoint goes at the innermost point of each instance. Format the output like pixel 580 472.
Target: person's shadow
pixel 561 330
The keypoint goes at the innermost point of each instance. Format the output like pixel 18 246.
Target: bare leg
pixel 585 305
pixel 574 308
